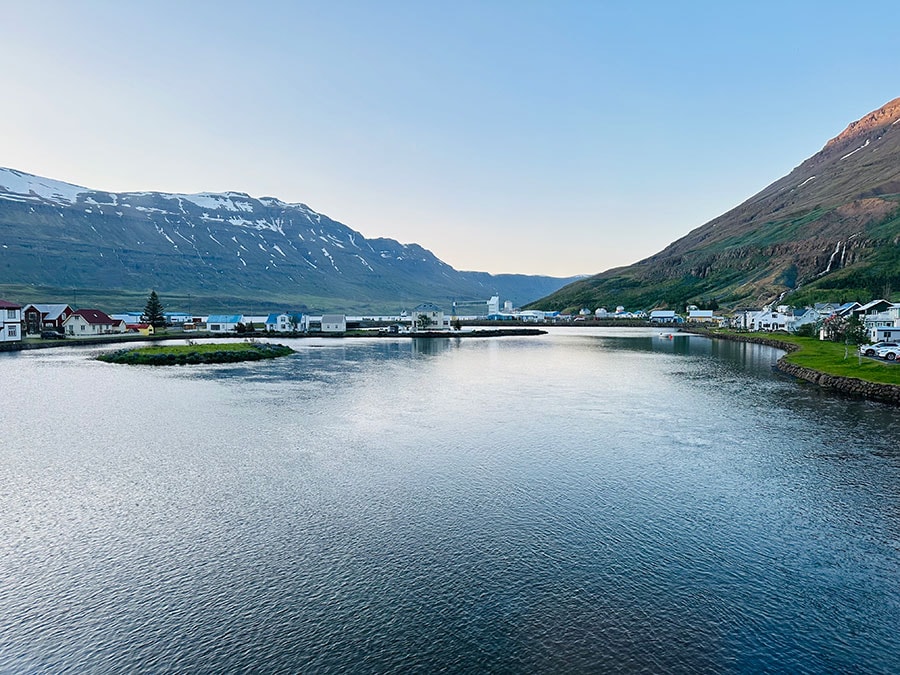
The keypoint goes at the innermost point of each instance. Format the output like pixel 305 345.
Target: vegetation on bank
pixel 831 358
pixel 172 355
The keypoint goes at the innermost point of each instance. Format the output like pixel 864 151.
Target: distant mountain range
pixel 59 241
pixel 829 230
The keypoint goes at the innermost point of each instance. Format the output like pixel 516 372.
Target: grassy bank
pixel 233 352
pixel 831 358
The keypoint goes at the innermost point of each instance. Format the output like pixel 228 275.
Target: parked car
pixel 889 353
pixel 51 335
pixel 872 350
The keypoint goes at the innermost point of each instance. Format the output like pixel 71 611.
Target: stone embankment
pixel 849 386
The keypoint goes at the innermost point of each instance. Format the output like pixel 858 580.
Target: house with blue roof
pixel 223 323
pixel 286 322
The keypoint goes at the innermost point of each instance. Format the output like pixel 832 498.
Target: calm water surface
pixel 586 501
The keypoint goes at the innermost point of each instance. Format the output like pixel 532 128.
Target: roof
pixel 846 307
pixel 138 326
pixel 333 318
pixel 224 318
pixel 428 307
pixel 94 316
pixel 51 312
pixel 4 304
pixel 874 303
pixel 273 318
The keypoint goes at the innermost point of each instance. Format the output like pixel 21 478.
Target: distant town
pixel 874 321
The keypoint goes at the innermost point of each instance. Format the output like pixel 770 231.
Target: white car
pixel 872 350
pixel 891 353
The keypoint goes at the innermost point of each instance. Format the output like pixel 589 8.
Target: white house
pixel 888 317
pixel 223 323
pixel 90 322
pixel 334 323
pixel 700 315
pixel 532 316
pixel 10 321
pixel 772 319
pixel 286 322
pixel 664 316
pixel 882 333
pixel 431 314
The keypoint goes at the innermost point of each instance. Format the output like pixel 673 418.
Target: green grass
pixel 834 358
pixel 170 355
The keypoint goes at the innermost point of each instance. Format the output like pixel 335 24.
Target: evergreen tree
pixel 153 311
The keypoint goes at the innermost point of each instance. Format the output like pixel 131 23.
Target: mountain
pixel 209 250
pixel 830 229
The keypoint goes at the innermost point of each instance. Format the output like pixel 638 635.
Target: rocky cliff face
pixel 832 225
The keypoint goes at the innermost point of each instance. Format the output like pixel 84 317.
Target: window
pixel 11 313
pixel 12 331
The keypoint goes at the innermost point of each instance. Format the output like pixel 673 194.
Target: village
pixel 876 321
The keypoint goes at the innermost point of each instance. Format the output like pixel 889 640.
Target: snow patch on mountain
pixel 39 189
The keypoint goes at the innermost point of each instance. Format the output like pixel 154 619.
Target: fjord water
pixel 585 501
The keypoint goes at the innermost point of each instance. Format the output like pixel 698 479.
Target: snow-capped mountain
pixel 229 246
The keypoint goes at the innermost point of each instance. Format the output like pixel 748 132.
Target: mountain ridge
pixel 830 226
pixel 228 246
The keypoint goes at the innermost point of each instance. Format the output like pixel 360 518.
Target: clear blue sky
pixel 505 136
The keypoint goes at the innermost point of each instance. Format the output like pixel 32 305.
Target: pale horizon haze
pixel 555 138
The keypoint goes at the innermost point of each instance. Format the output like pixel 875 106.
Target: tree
pixel 153 311
pixel 424 321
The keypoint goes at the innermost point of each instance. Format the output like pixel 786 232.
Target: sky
pixel 555 137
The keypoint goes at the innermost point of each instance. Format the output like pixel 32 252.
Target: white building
pixel 286 322
pixel 90 322
pixel 432 315
pixel 663 316
pixel 10 321
pixel 223 323
pixel 334 323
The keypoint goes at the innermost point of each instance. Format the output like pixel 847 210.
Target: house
pixel 871 309
pixel 177 318
pixel 772 319
pixel 884 333
pixel 334 323
pixel 700 316
pixel 664 316
pixel 532 316
pixel 223 323
pixel 428 316
pixel 90 322
pixel 45 317
pixel 142 328
pixel 129 317
pixel 286 322
pixel 805 317
pixel 10 321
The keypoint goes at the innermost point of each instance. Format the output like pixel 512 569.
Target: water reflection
pixel 583 501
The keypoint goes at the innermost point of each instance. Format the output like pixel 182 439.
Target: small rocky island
pixel 176 355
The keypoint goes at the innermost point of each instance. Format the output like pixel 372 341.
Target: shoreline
pixel 848 386
pixel 128 339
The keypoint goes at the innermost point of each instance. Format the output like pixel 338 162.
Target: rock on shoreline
pixel 849 386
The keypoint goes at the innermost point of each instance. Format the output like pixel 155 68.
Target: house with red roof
pixel 10 321
pixel 45 317
pixel 91 322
